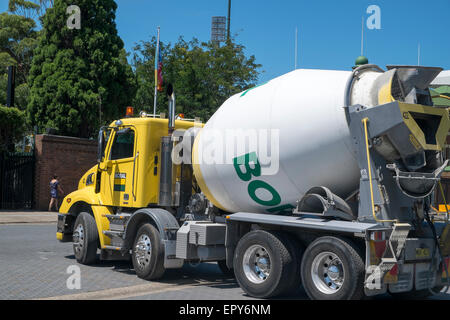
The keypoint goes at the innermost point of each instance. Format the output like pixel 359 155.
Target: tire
pixel 337 257
pixel 229 273
pixel 148 253
pixel 267 248
pixel 85 239
pixel 415 295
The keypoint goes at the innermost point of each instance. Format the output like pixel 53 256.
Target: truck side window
pixel 123 145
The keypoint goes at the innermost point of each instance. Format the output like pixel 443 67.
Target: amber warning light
pixel 130 111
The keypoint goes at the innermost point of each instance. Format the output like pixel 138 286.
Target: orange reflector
pixel 68 200
pixel 130 111
pixel 181 115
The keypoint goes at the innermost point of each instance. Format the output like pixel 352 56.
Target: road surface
pixel 34 265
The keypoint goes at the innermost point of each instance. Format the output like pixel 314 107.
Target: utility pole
pixel 229 20
pixel 100 109
pixel 10 101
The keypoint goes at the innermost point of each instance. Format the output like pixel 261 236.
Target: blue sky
pixel 329 30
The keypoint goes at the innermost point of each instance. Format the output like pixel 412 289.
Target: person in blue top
pixel 55 188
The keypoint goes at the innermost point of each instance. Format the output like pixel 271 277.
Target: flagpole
pixel 418 54
pixel 156 75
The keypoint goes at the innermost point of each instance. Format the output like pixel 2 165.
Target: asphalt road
pixel 34 265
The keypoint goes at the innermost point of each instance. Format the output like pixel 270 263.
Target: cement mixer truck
pixel 320 179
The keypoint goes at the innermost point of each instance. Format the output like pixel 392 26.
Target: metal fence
pixel 16 180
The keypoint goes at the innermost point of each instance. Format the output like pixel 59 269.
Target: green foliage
pixel 204 75
pixel 18 38
pixel 79 76
pixel 16 5
pixel 12 125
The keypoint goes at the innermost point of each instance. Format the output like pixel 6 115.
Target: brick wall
pixel 67 157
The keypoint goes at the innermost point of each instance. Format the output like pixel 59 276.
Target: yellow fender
pixel 88 196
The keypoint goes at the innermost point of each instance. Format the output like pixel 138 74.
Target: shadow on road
pixel 206 274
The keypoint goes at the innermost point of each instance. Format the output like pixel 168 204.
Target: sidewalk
pixel 27 216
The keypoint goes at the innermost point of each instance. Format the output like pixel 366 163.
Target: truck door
pixel 119 178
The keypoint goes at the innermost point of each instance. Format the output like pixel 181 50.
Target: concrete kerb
pixel 27 216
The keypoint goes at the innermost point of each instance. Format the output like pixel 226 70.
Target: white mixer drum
pixel 309 142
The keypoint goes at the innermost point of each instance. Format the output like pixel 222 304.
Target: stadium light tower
pixel 218 29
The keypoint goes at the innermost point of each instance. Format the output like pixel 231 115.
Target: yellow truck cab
pixel 128 172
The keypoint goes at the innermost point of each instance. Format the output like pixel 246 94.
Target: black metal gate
pixel 17 180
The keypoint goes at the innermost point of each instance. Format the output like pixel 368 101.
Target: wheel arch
pixel 73 211
pixel 98 212
pixel 161 219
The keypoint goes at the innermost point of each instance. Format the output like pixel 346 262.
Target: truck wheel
pixel 148 253
pixel 85 238
pixel 264 265
pixel 225 270
pixel 332 269
pixel 415 295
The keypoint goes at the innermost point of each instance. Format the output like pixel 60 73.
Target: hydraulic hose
pixel 441 96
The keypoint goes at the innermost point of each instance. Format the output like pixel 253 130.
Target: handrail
pixel 134 166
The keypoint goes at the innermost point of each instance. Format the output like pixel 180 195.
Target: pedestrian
pixel 55 188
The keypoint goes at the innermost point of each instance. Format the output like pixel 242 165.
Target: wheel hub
pixel 78 238
pixel 143 250
pixel 327 272
pixel 256 263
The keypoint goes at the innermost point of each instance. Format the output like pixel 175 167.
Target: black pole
pixel 11 86
pixel 229 19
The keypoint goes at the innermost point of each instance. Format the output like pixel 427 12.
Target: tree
pixel 79 76
pixel 12 126
pixel 204 75
pixel 17 41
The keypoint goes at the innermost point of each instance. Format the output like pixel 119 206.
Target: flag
pixel 158 69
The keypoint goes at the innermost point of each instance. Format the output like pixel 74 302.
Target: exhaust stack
pixel 166 183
